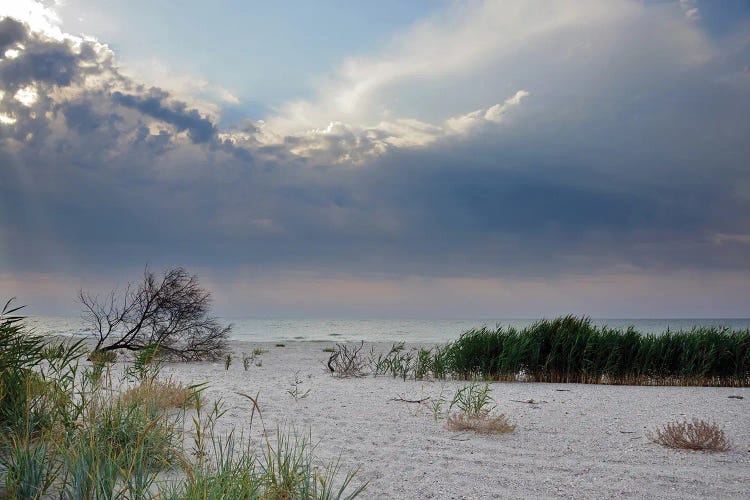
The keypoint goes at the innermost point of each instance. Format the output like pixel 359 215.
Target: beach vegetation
pixel 347 360
pixel 483 424
pixel 382 362
pixel 436 405
pixel 697 434
pixel 572 349
pixel 171 311
pixel 423 363
pixel 295 388
pixel 164 394
pixel 398 362
pixel 253 357
pixel 99 357
pixel 474 402
pixel 68 433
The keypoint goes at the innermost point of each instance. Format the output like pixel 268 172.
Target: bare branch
pixel 171 311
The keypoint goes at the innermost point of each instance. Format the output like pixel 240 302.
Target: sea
pixel 382 330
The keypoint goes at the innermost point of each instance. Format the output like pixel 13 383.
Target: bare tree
pixel 170 311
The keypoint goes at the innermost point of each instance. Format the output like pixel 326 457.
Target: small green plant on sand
pixel 473 399
pixel 295 390
pixel 436 405
pixel 227 361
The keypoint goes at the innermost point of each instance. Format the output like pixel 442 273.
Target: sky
pixel 428 159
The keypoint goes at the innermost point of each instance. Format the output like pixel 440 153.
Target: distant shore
pixel 571 440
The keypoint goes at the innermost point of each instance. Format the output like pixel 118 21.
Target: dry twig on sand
pixel 402 399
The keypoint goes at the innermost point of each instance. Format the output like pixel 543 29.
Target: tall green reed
pixel 572 349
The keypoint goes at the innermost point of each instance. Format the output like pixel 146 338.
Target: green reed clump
pixel 20 353
pixel 423 363
pixel 402 363
pixel 30 468
pixel 572 349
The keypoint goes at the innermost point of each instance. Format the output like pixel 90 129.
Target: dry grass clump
pixel 163 394
pixel 101 357
pixel 483 424
pixel 695 435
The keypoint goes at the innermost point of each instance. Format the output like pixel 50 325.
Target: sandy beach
pixel 574 441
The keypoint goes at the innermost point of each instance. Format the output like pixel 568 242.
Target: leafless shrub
pixel 171 311
pixel 483 424
pixel 695 435
pixel 347 361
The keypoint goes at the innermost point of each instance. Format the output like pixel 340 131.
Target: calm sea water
pixel 382 330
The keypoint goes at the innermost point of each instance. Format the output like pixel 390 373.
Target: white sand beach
pixel 575 441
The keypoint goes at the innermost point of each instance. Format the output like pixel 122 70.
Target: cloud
pixel 12 32
pixel 495 114
pixel 152 103
pixel 691 11
pixel 343 143
pixel 604 141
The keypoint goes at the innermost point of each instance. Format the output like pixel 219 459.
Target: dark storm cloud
pixel 42 60
pixel 11 33
pixel 645 176
pixel 199 128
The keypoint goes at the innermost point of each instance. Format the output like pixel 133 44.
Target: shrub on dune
pixel 697 435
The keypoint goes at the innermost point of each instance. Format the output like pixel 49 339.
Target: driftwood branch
pixel 402 399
